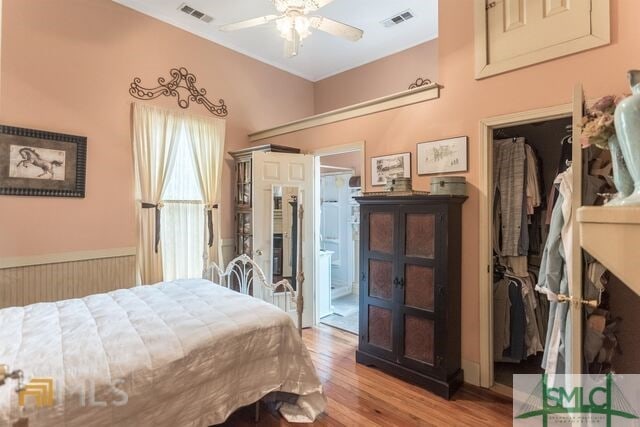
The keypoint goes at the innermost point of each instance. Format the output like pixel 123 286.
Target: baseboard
pixel 503 390
pixel 12 262
pixel 471 372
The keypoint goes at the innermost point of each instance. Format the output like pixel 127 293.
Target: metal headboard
pixel 241 275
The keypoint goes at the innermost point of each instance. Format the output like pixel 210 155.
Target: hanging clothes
pixel 510 321
pixel 534 198
pixel 516 332
pixel 501 318
pixel 555 277
pixel 533 337
pixel 509 187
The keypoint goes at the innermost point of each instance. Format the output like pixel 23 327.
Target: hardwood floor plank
pixel 358 395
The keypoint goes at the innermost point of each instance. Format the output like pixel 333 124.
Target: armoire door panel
pixel 380 327
pixel 419 339
pixel 271 171
pixel 296 172
pixel 419 235
pixel 380 279
pixel 381 235
pixel 419 286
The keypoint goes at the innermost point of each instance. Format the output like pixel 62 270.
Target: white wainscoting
pixel 38 279
pixel 54 277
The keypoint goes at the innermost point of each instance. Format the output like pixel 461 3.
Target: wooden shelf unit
pixel 612 236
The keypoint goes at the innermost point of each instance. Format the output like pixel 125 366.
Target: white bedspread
pixel 182 353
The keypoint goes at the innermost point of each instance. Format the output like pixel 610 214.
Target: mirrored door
pixel 277 178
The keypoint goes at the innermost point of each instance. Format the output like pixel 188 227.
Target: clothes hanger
pixel 569 137
pixel 502 134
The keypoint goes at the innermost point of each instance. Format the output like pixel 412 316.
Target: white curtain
pixel 178 170
pixel 206 137
pixel 155 132
pixel 183 224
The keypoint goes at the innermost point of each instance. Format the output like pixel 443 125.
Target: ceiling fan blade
pixel 336 28
pixel 249 23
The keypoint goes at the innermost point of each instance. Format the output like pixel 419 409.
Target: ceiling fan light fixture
pixel 288 25
pixel 302 25
pixel 294 25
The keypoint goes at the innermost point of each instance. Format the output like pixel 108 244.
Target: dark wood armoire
pixel 410 250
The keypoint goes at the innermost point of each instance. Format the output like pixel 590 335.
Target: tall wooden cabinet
pixel 410 250
pixel 243 192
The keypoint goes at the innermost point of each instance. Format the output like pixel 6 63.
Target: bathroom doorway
pixel 338 241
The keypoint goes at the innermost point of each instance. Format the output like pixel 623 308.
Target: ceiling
pixel 322 55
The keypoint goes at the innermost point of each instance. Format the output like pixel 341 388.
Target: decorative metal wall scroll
pixel 181 81
pixel 419 83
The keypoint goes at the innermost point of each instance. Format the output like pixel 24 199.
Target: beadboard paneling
pixel 25 285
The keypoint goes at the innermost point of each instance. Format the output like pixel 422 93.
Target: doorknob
pixel 259 252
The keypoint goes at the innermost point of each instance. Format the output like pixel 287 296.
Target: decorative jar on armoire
pixel 410 251
pixel 243 193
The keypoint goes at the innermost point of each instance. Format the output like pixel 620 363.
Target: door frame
pixel 486 224
pixel 317 153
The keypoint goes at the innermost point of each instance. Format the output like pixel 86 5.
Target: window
pixel 178 167
pixel 182 229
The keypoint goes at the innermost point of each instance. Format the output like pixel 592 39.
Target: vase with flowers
pixel 598 128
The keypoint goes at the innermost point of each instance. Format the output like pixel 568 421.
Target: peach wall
pixel 465 101
pixel 383 77
pixel 67 66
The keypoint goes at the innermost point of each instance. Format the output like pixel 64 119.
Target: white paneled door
pixel 512 34
pixel 518 27
pixel 279 175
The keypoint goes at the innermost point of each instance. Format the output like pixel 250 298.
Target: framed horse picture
pixel 39 163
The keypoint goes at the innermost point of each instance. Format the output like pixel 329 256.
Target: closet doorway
pixel 499 359
pixel 520 313
pixel 339 172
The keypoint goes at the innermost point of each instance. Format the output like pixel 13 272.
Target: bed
pixel 181 353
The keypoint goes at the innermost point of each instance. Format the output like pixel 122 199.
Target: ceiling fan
pixel 294 24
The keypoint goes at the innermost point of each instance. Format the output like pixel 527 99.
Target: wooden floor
pixel 361 396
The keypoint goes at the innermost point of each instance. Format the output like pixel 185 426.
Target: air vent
pixel 398 18
pixel 195 13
